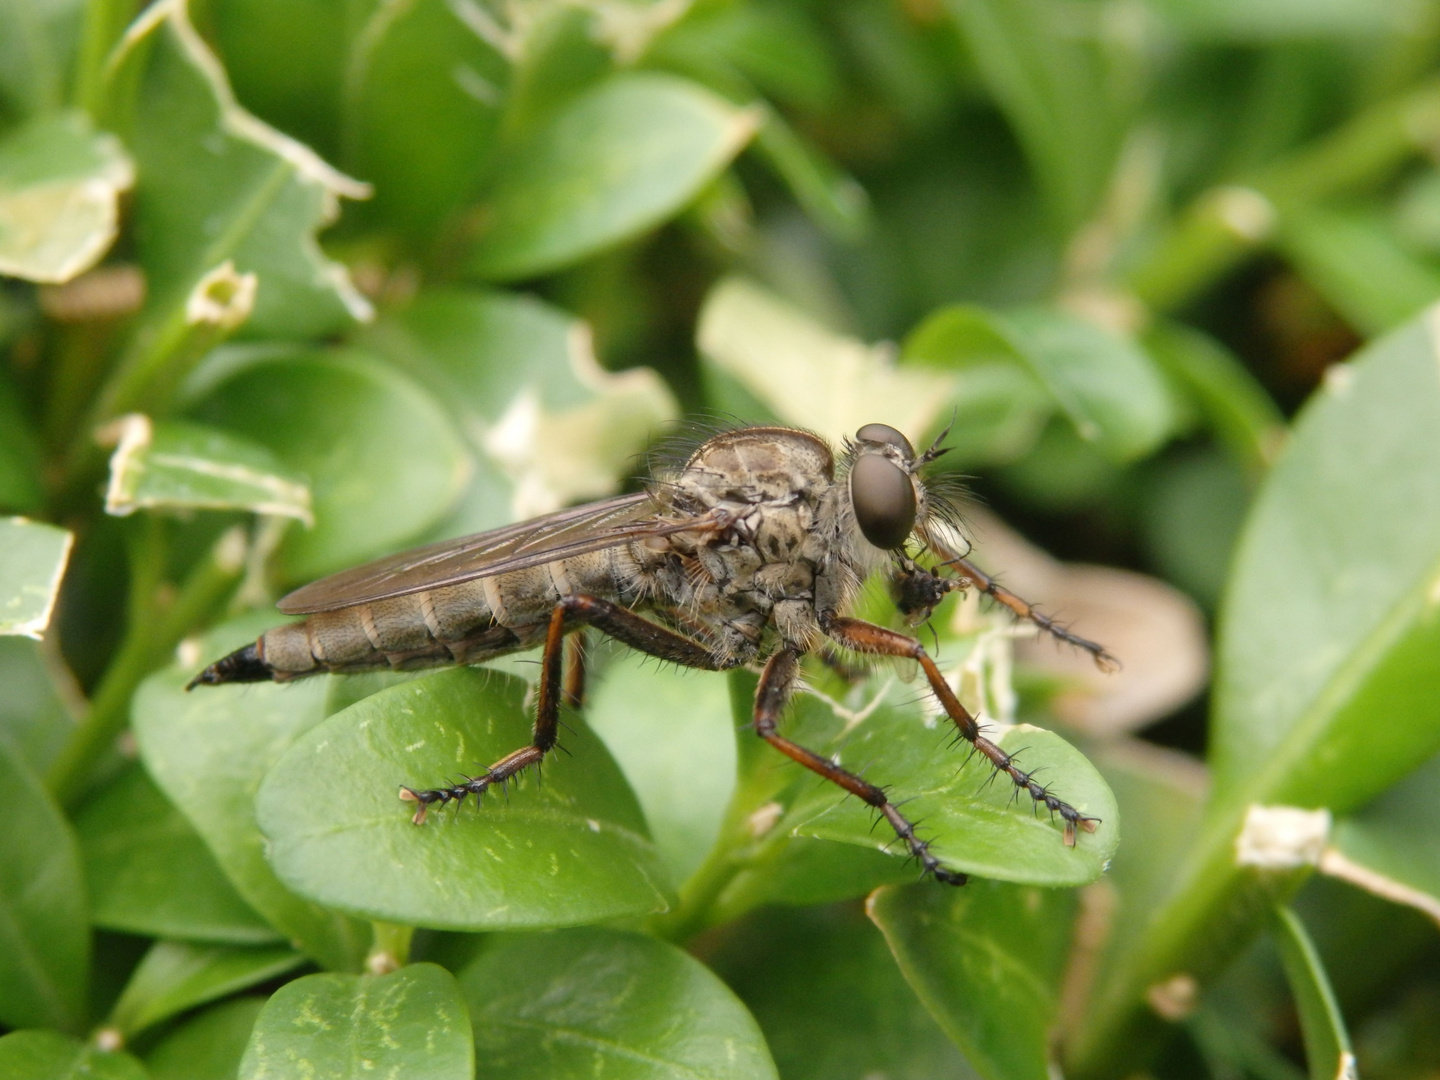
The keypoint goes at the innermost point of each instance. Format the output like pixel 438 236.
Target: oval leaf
pixel 408 1024
pixel 569 850
pixel 618 160
pixel 576 1004
pixel 60 185
pixel 32 561
pixel 208 1046
pixel 44 940
pixel 48 1055
pixel 1329 667
pixel 382 459
pixel 986 960
pixel 151 874
pixel 208 750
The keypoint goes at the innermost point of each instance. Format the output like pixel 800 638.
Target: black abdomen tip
pixel 242 665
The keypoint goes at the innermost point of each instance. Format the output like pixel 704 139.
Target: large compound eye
pixel 883 497
pixel 884 433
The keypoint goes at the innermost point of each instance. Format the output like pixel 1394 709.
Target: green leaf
pixel 1055 87
pixel 1110 390
pixel 151 874
pixel 830 999
pixel 34 717
pixel 809 375
pixel 367 439
pixel 216 185
pixel 1392 847
pixel 409 1023
pixel 616 161
pixel 422 97
pixel 1327 1044
pixel 44 939
pixel 175 976
pixel 37 46
pixel 522 382
pixel 569 850
pixel 208 752
pixel 1355 260
pixel 1285 20
pixel 176 465
pixel 48 1055
pixel 21 458
pixel 208 1046
pixel 60 185
pixel 587 1002
pixel 986 960
pixel 32 561
pixel 1330 618
pixel 974 826
pixel 670 732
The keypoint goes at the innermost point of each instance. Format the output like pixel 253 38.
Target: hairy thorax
pixel 757 582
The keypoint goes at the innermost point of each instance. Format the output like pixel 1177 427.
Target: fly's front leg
pixel 618 622
pixel 776 683
pixel 917 592
pixel 547 720
pixel 878 641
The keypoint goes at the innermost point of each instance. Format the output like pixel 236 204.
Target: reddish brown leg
pixel 575 671
pixel 1027 611
pixel 776 683
pixel 620 623
pixel 867 638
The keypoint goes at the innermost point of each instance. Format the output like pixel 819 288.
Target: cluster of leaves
pixel 1057 209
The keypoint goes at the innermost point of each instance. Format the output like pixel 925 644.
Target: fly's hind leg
pixel 865 637
pixel 612 619
pixel 776 683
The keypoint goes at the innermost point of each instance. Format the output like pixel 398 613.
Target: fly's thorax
pixel 752 466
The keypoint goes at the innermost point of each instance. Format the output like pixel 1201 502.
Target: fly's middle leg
pixel 776 683
pixel 612 619
pixel 865 637
pixel 547 721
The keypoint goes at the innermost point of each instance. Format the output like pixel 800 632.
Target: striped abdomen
pixel 456 624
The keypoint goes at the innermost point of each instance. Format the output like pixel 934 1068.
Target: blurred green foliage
pixel 288 285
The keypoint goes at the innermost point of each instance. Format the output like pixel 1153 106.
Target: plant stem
pixel 1225 224
pixel 389 949
pixel 105 21
pixel 149 638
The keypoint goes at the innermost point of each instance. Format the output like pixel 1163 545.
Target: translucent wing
pixel 575 531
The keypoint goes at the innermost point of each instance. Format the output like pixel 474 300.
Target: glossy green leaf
pixel 521 379
pixel 1392 846
pixel 974 826
pixel 831 1000
pixel 216 185
pixel 587 1002
pixel 175 976
pixel 208 1046
pixel 421 106
pixel 48 1055
pixel 571 849
pixel 671 734
pixel 382 460
pixel 409 1023
pixel 809 375
pixel 618 160
pixel 60 187
pixel 37 45
pixel 1359 265
pixel 208 751
pixel 1327 1043
pixel 44 939
pixel 32 561
pixel 1054 86
pixel 176 465
pixel 986 960
pixel 1330 618
pixel 34 718
pixel 151 874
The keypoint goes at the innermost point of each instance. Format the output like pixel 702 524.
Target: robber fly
pixel 750 551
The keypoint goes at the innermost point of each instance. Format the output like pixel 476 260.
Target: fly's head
pixel 892 504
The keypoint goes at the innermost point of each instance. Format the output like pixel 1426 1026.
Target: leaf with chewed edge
pixel 32 561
